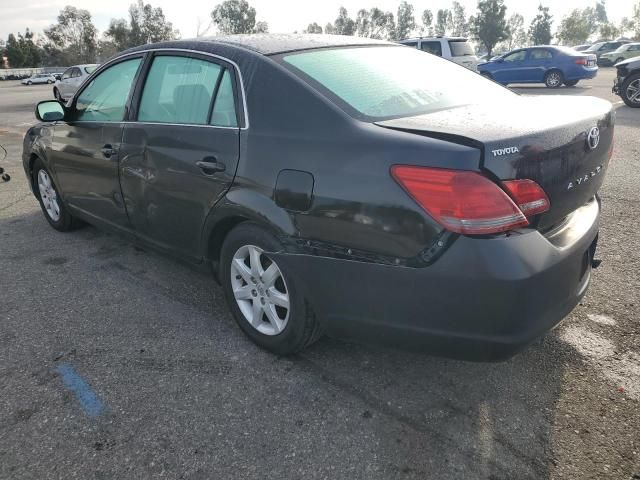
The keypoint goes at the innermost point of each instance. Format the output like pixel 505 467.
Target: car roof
pixel 272 44
pixel 456 39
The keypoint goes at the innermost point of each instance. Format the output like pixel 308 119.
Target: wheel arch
pixel 239 206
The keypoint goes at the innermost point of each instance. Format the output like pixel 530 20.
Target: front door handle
pixel 210 166
pixel 108 151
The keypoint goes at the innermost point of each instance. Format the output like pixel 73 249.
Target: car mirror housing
pixel 49 111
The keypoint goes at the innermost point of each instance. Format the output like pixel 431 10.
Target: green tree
pixel 576 27
pixel 443 22
pixel 261 27
pixel 517 34
pixel 406 22
pixel 119 34
pixel 540 28
pixel 149 25
pixel 634 22
pixel 460 23
pixel 427 21
pixel 74 35
pixel 330 29
pixel 344 25
pixel 313 28
pixel 234 16
pixel 21 51
pixel 489 26
pixel 374 23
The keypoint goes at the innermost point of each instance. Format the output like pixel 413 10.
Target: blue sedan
pixel 553 66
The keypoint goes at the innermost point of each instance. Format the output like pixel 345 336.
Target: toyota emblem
pixel 593 139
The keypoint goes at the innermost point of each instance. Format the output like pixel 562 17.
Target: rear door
pixel 539 61
pixel 434 47
pixel 180 154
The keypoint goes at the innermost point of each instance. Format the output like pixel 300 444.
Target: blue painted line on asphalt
pixel 88 399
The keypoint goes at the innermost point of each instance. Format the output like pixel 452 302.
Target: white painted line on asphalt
pixel 601 319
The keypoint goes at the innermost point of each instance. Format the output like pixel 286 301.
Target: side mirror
pixel 49 111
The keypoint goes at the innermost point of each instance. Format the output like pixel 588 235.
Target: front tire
pixel 262 294
pixel 630 91
pixel 57 96
pixel 553 79
pixel 52 206
pixel 618 60
pixel 29 82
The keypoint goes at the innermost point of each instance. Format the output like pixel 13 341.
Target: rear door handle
pixel 108 151
pixel 210 166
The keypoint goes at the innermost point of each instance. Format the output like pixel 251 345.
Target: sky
pixel 282 15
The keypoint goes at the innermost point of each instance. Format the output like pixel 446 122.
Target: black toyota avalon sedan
pixel 337 185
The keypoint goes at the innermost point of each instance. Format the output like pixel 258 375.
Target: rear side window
pixel 410 44
pixel 105 98
pixel 435 48
pixel 539 54
pixel 90 70
pixel 67 74
pixel 460 48
pixel 224 108
pixel 76 73
pixel 179 90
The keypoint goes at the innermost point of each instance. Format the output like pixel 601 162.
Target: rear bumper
pixel 484 299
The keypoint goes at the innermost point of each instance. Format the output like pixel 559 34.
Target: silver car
pixel 39 78
pixel 71 80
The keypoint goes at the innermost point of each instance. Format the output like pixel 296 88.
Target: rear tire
pixel 262 295
pixel 571 83
pixel 52 206
pixel 630 91
pixel 29 82
pixel 553 79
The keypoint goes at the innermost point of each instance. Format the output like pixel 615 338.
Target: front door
pixel 85 148
pixel 511 69
pixel 180 156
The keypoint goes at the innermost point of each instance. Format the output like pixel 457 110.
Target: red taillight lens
pixel 530 198
pixel 461 201
pixel 581 61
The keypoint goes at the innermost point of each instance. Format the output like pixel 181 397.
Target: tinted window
pixel 539 54
pixel 515 56
pixel 105 98
pixel 178 90
pixel 434 48
pixel 411 44
pixel 385 82
pixel 67 73
pixel 90 69
pixel 224 108
pixel 460 48
pixel 634 48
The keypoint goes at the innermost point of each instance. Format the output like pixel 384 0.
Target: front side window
pixel 178 90
pixel 384 82
pixel 516 56
pixel 105 98
pixel 435 48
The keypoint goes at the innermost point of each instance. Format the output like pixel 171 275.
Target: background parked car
pixel 600 48
pixel 553 66
pixel 71 80
pixel 581 48
pixel 627 82
pixel 39 78
pixel 456 49
pixel 624 52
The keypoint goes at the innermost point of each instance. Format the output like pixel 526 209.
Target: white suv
pixel 456 49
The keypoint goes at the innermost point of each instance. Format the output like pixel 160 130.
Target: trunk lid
pixel 548 139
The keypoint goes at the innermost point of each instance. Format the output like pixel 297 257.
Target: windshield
pixel 388 82
pixel 460 48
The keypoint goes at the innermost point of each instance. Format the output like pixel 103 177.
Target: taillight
pixel 581 61
pixel 461 201
pixel 528 195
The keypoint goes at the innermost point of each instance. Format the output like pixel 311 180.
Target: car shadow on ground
pixel 375 413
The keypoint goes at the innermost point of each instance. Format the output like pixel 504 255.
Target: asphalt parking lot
pixel 116 362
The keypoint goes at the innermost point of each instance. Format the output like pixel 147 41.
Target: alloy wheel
pixel 554 79
pixel 48 195
pixel 260 290
pixel 633 91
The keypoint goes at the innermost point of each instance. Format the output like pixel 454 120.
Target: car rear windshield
pixel 460 48
pixel 382 82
